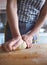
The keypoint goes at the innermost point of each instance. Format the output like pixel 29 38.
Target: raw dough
pixel 22 46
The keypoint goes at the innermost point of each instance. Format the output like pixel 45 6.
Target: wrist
pixel 30 34
pixel 17 36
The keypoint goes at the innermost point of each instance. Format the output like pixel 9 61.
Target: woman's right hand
pixel 12 44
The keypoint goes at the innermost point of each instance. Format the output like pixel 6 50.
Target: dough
pixel 22 46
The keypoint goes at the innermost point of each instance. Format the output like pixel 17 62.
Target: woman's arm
pixel 13 23
pixel 40 21
pixel 13 17
pixel 29 36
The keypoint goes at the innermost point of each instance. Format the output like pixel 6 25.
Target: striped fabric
pixel 29 10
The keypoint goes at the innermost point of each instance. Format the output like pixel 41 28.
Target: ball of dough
pixel 22 46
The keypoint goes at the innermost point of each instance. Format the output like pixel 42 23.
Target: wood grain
pixel 37 55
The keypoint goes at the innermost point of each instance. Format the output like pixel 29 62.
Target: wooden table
pixel 37 55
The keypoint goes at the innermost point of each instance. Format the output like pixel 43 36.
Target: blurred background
pixel 3 20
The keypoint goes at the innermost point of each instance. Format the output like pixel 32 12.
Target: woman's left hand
pixel 28 40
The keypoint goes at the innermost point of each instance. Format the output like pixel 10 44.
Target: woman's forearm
pixel 13 17
pixel 40 21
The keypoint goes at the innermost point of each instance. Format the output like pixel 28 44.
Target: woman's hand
pixel 12 44
pixel 28 40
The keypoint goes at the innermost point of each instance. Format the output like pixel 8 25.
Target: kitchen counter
pixel 37 55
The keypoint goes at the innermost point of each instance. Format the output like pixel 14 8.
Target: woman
pixel 25 18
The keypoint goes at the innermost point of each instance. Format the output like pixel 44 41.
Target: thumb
pixel 17 44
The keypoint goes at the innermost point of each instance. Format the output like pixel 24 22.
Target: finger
pixel 30 45
pixel 5 48
pixel 12 42
pixel 17 44
pixel 8 45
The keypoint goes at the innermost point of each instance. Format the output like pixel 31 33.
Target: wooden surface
pixel 37 55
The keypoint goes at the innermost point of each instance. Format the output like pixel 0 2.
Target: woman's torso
pixel 28 13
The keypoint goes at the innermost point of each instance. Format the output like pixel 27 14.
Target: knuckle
pixel 9 47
